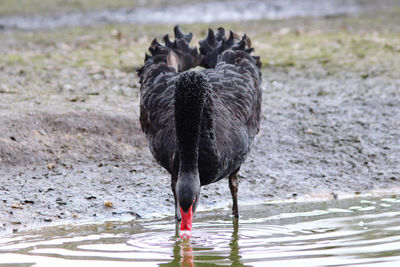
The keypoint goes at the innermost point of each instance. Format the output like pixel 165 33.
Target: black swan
pixel 200 123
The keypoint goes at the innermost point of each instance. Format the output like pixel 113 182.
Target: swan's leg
pixel 233 185
pixel 174 179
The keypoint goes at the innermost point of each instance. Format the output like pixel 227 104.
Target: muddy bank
pixel 196 12
pixel 321 136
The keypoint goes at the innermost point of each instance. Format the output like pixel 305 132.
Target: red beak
pixel 186 223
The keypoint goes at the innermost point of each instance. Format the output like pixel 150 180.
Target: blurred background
pixel 59 13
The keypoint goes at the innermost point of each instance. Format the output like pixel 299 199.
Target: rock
pixel 17 206
pixel 60 201
pixel 51 166
pixel 116 34
pixel 108 204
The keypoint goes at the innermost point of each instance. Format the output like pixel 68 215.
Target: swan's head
pixel 188 193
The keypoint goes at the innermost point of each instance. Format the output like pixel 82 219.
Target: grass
pixel 356 45
pixel 99 47
pixel 332 50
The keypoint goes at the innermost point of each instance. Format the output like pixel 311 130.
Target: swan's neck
pixel 188 134
pixel 190 94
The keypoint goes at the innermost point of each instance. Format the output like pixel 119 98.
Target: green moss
pixel 88 47
pixel 332 50
pixel 288 44
pixel 12 59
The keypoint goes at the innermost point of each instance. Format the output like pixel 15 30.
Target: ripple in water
pixel 337 233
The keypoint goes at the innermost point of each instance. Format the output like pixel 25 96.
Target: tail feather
pixel 177 54
pixel 215 44
pixel 180 35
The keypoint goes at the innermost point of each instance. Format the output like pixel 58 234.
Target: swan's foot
pixel 177 217
pixel 233 185
pixel 174 179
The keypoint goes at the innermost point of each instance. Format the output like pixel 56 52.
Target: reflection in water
pixel 234 255
pixel 185 257
pixel 187 254
pixel 177 247
pixel 338 233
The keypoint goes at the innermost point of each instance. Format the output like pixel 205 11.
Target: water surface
pixel 351 232
pixel 197 12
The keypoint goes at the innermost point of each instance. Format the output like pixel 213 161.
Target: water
pixel 355 232
pixel 197 12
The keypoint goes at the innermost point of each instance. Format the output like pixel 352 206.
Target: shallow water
pixel 197 12
pixel 337 233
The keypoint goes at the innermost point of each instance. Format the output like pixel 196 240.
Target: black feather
pixel 212 47
pixel 200 124
pixel 179 35
pixel 168 42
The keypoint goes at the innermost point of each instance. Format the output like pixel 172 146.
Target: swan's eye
pixel 194 199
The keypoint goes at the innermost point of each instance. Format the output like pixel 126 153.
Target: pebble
pixel 108 204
